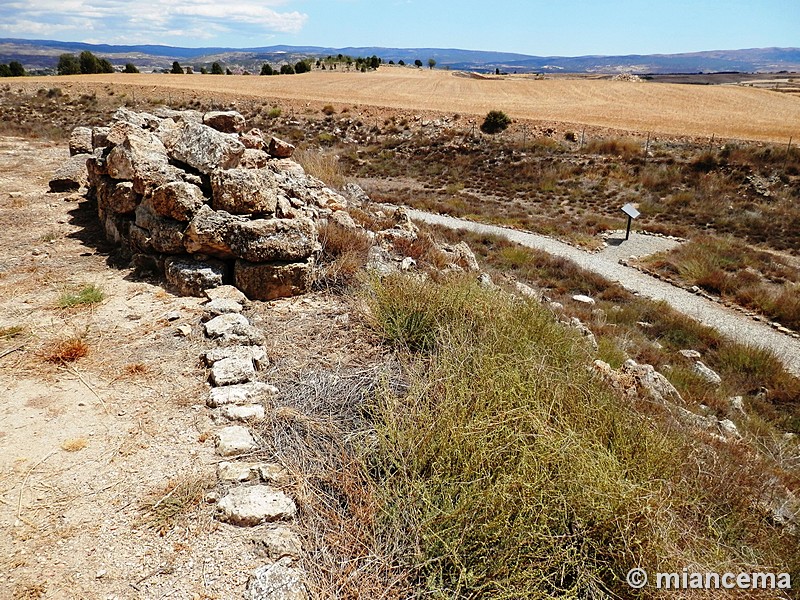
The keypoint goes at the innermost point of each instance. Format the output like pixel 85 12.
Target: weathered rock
pixel 342 219
pixel 274 473
pixel 583 299
pixel 71 175
pixel 527 291
pixel 226 121
pixel 226 292
pixel 576 323
pixel 203 148
pixel 100 137
pixel 277 541
pixel 118 131
pixel 247 412
pixel 194 277
pixel 254 159
pixel 177 200
pixel 233 328
pixel 652 382
pixel 407 264
pixel 464 257
pixel 728 428
pixel 706 373
pixel 208 232
pixel 693 354
pixel 80 141
pixel 356 194
pixel 141 120
pixel 230 371
pixel 280 149
pixel 253 140
pixel 277 581
pixel 234 440
pixel 222 306
pixel 266 240
pixel 142 161
pixel 114 196
pixel 244 191
pixel 165 235
pixel 380 262
pixel 253 505
pixel 268 281
pixel 240 394
pixel 237 471
pixel 256 355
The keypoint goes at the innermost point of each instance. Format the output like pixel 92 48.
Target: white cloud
pixel 157 21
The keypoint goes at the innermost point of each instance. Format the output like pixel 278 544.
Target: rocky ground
pixel 97 452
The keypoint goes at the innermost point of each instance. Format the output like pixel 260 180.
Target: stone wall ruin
pixel 203 201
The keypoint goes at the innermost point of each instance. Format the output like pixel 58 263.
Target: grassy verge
pixel 508 471
pixel 752 278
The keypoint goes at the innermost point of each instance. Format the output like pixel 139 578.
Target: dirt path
pixel 730 323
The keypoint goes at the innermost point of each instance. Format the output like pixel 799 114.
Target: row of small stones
pixel 699 292
pixel 234 396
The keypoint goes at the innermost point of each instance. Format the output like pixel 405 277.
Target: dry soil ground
pixel 699 111
pixel 84 444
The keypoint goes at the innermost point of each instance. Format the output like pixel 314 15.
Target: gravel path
pixel 730 323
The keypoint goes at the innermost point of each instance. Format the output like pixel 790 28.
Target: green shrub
pixel 130 68
pixel 495 122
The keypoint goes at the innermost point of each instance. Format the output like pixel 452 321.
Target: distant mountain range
pixel 42 55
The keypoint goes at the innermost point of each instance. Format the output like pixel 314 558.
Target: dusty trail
pixel 731 324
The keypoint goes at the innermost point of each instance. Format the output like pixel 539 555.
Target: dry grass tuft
pixel 344 254
pixel 74 444
pixel 8 333
pixel 67 351
pixel 31 591
pixel 323 165
pixel 164 507
pixel 137 369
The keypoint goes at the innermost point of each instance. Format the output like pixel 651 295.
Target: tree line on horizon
pixel 88 64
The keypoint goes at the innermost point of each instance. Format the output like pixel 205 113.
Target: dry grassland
pixel 683 110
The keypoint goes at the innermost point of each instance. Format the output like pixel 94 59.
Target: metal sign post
pixel 630 210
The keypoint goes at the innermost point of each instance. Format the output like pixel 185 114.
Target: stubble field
pixel 695 111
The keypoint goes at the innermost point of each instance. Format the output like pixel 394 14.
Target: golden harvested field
pixel 690 110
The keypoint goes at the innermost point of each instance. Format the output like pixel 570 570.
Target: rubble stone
pixel 234 440
pixel 80 141
pixel 244 191
pixel 71 175
pixel 268 281
pixel 193 277
pixel 227 121
pixel 203 148
pixel 240 394
pixel 253 505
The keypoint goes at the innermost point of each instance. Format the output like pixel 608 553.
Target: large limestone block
pixel 192 277
pixel 244 191
pixel 226 121
pixel 203 148
pixel 234 440
pixel 208 232
pixel 265 240
pixel 71 175
pixel 80 141
pixel 268 281
pixel 116 197
pixel 177 200
pixel 166 235
pixel 143 161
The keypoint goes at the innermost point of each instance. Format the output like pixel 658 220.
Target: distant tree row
pixel 304 66
pixel 12 69
pixel 85 64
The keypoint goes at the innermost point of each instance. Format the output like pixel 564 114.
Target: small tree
pixel 176 68
pixel 68 64
pixel 89 63
pixel 228 71
pixel 374 62
pixel 495 122
pixel 203 71
pixel 418 63
pixel 216 69
pixel 302 67
pixel 130 68
pixel 287 70
pixel 401 62
pixel 16 68
pixel 189 71
pixel 266 69
pixel 431 63
pixel 5 71
pixel 104 66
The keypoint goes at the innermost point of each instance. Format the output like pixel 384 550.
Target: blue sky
pixel 553 27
